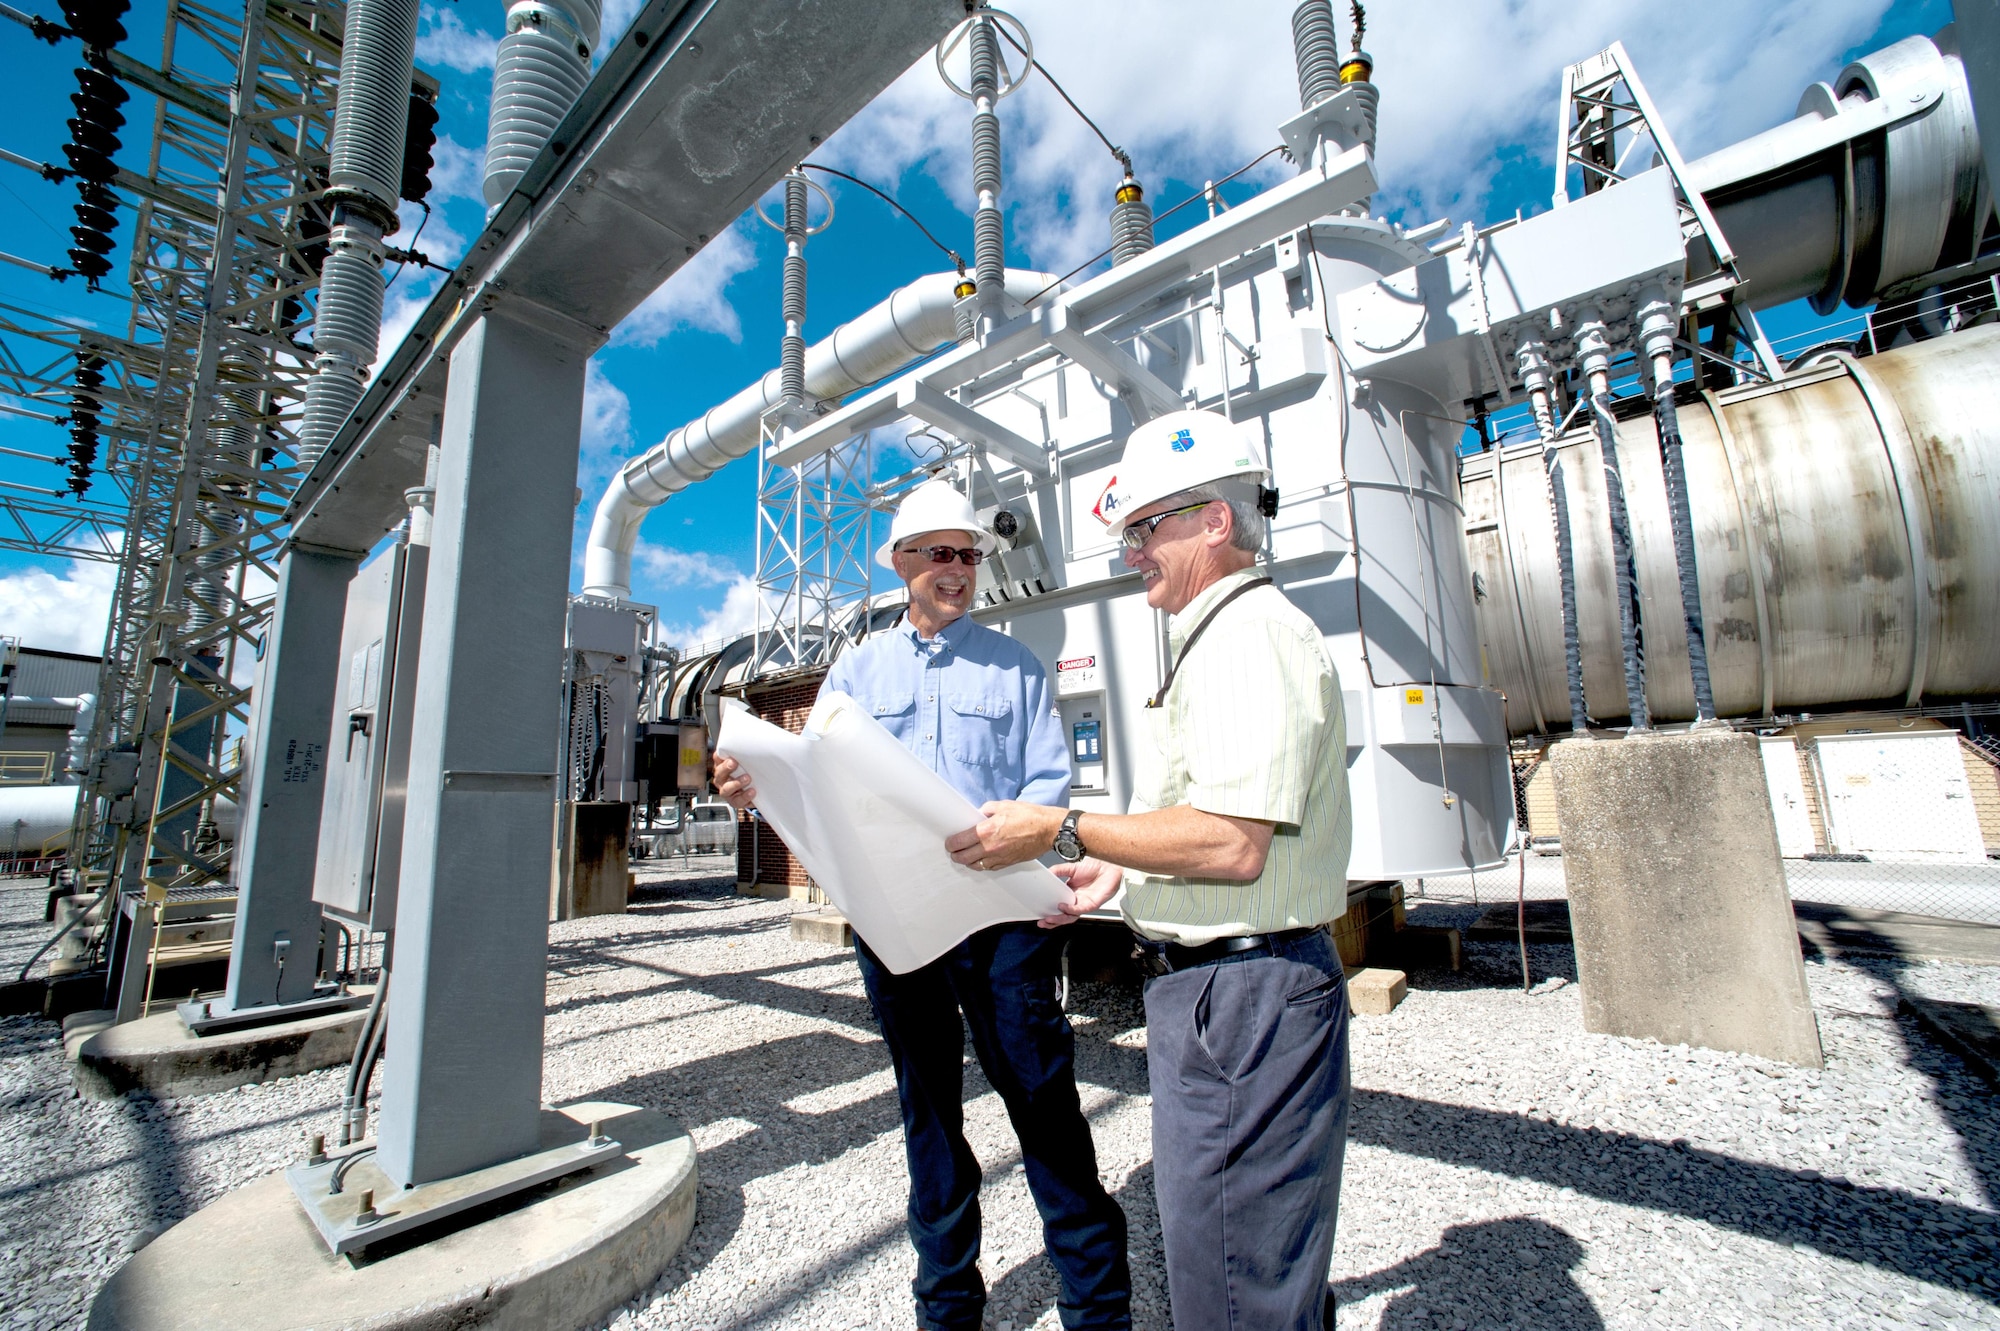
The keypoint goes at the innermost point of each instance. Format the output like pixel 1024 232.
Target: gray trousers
pixel 1248 1063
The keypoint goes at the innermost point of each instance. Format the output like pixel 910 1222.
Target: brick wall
pixel 761 854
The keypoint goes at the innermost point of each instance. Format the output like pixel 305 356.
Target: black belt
pixel 1157 958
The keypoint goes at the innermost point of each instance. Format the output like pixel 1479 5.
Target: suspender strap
pixel 1160 698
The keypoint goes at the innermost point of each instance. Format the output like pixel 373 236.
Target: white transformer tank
pixel 1368 541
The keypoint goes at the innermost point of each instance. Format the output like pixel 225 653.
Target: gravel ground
pixel 1504 1168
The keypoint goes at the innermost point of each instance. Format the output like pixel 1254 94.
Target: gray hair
pixel 1247 521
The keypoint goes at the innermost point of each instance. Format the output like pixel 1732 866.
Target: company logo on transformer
pixel 1181 442
pixel 1107 502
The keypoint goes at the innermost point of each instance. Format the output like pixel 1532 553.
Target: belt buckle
pixel 1151 958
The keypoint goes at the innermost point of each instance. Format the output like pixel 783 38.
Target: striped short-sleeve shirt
pixel 1252 728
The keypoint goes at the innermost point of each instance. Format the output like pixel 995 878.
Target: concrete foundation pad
pixel 562 1257
pixel 1375 993
pixel 1678 903
pixel 158 1054
pixel 822 926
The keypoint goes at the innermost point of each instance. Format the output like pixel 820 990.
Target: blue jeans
pixel 1248 1064
pixel 1002 983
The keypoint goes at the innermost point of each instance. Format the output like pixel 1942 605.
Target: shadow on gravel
pixel 1512 1272
pixel 1922 1238
pixel 1956 1089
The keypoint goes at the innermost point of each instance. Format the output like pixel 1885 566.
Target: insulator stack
pixel 539 72
pixel 377 51
pixel 1131 223
pixel 792 352
pixel 989 239
pixel 965 317
pixel 95 22
pixel 93 142
pixel 346 332
pixel 365 173
pixel 1316 47
pixel 419 139
pixel 85 406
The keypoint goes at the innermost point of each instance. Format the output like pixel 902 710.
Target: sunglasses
pixel 944 554
pixel 1137 533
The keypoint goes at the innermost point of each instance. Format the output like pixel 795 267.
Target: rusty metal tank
pixel 1848 541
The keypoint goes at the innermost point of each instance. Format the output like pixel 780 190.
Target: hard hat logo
pixel 1161 461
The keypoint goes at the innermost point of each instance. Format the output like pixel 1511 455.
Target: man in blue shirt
pixel 977 708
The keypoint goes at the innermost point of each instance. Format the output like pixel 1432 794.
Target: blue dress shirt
pixel 972 704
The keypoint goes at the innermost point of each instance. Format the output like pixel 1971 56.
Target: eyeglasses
pixel 1140 531
pixel 944 554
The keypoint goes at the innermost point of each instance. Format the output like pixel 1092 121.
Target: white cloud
pixel 606 441
pixel 445 40
pixel 1193 94
pixel 660 566
pixel 61 612
pixel 457 172
pixel 695 296
pixel 733 618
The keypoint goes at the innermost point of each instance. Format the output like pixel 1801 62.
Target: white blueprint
pixel 868 821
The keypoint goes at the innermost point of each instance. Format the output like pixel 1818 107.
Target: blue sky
pixel 1467 126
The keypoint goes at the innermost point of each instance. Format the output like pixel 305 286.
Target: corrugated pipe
pixel 911 324
pixel 1131 223
pixel 377 53
pixel 1538 377
pixel 1631 632
pixel 538 73
pixel 1656 335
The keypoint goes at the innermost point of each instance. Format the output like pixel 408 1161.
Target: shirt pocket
pixel 980 729
pixel 896 711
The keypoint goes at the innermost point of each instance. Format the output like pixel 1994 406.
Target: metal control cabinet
pixel 368 751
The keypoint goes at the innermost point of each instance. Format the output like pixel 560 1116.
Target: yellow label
pixel 1414 697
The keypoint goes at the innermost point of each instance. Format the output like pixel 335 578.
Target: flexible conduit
pixel 912 323
pixel 538 73
pixel 1667 420
pixel 1624 565
pixel 378 50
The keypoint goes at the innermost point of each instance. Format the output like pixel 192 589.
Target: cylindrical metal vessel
pixel 34 819
pixel 1847 521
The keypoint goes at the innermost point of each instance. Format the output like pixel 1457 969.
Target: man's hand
pixel 1094 883
pixel 733 784
pixel 1009 833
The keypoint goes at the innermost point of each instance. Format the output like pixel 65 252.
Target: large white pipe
pixel 913 322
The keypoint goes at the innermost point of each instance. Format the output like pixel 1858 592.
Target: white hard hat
pixel 933 506
pixel 1176 452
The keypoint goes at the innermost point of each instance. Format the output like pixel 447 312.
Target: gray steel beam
pixel 699 109
pixel 292 715
pixel 1978 24
pixel 463 1086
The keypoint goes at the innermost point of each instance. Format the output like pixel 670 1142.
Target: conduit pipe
pixel 911 324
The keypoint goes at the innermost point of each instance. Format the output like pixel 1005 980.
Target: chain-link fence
pixel 1890 814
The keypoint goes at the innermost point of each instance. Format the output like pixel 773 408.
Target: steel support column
pixel 463 1084
pixel 292 715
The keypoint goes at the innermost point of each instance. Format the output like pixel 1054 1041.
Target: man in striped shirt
pixel 1235 860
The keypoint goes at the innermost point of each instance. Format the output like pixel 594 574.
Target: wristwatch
pixel 1069 846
